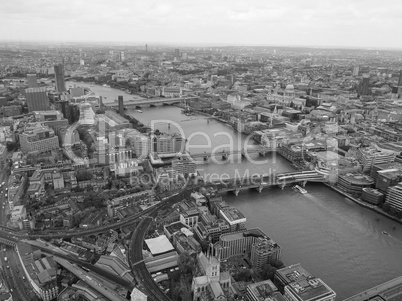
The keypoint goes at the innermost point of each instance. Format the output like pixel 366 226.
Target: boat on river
pixel 300 189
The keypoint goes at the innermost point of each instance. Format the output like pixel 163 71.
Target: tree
pixel 277 264
pixel 268 272
pixel 84 175
pixel 186 263
pixel 243 275
pixel 386 207
pixel 11 146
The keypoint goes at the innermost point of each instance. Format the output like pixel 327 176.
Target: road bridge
pixel 132 104
pixel 261 150
pixel 259 182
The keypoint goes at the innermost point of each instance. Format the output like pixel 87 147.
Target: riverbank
pixel 364 204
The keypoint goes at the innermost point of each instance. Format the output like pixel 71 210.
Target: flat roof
pixel 311 289
pixel 232 215
pixel 159 245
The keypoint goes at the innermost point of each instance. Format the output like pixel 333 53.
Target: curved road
pixel 140 271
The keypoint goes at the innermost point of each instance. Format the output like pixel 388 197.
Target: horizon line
pixel 197 44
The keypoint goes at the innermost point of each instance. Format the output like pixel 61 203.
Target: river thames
pixel 332 237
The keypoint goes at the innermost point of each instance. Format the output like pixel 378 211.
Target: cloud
pixel 285 22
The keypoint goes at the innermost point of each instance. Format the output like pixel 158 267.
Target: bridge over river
pixel 259 182
pixel 261 149
pixel 133 104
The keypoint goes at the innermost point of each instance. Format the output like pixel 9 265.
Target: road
pixel 140 271
pixel 104 273
pixel 21 289
pixel 4 175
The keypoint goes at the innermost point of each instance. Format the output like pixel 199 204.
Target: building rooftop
pixel 232 215
pixel 241 234
pixel 292 273
pixel 357 178
pixel 262 289
pixel 159 245
pixel 310 289
pixel 371 151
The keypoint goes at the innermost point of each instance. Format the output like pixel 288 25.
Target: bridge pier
pixel 236 192
pixel 303 183
pixel 259 189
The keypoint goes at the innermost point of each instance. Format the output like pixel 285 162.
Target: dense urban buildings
pixel 37 99
pixel 137 209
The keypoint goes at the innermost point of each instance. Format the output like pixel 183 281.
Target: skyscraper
pixel 400 84
pixel 37 99
pixel 177 53
pixel 31 78
pixel 121 105
pixel 122 57
pixel 59 75
pixel 364 86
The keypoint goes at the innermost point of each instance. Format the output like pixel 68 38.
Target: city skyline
pixel 361 24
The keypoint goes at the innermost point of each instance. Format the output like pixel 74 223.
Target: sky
pixel 341 23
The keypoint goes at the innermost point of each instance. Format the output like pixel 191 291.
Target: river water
pixel 332 237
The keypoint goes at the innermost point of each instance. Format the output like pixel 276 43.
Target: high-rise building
pixel 59 75
pixel 38 138
pixel 177 53
pixel 400 84
pixel 394 197
pixel 37 99
pixel 122 57
pixel 73 111
pixel 356 70
pixel 121 105
pixel 31 79
pixel 53 119
pixel 264 251
pixel 167 144
pixel 62 106
pixel 364 87
pixel 400 79
pixel 236 244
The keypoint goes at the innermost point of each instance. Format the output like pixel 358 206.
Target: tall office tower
pixel 364 88
pixel 356 70
pixel 59 74
pixel 121 105
pixel 400 84
pixel 37 99
pixel 31 78
pixel 177 53
pixel 146 47
pixel 62 106
pixel 122 58
pixel 264 251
